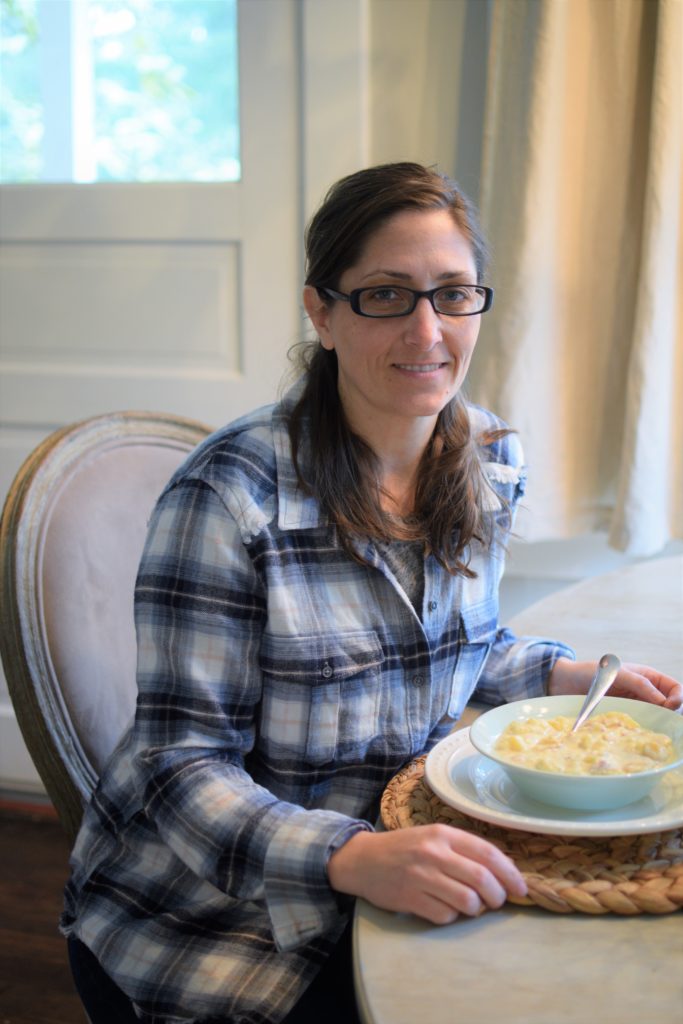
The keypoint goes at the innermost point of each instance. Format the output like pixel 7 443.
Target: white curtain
pixel 581 197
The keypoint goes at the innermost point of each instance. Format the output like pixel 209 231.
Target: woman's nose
pixel 423 325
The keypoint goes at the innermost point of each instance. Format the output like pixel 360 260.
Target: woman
pixel 316 603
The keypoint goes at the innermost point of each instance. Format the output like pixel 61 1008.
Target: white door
pixel 179 298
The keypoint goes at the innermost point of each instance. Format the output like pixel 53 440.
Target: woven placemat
pixel 640 874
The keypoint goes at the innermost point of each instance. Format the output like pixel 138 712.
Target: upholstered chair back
pixel 71 536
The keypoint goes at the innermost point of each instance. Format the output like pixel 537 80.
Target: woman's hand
pixel 434 871
pixel 639 682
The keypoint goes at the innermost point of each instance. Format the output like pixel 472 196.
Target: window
pixel 119 90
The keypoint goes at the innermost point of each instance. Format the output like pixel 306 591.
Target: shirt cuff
pixel 301 903
pixel 518 668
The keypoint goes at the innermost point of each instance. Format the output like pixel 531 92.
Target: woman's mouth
pixel 419 367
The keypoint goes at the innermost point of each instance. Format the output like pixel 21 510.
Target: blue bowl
pixel 578 792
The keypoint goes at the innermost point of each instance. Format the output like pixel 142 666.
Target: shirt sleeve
pixel 517 668
pixel 200 614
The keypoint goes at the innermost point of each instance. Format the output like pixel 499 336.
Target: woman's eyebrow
pixel 399 275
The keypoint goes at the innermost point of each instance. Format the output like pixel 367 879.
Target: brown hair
pixel 340 467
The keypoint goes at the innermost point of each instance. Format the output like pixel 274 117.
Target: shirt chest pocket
pixel 321 695
pixel 478 626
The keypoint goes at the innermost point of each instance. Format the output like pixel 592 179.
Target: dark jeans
pixel 104 1001
pixel 328 998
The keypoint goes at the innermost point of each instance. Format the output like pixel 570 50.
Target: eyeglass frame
pixel 353 298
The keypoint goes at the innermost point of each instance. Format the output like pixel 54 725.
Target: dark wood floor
pixel 35 982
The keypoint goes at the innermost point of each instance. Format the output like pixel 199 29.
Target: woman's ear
pixel 319 314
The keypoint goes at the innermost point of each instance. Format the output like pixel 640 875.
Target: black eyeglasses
pixel 389 300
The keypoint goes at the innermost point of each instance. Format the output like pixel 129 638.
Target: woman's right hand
pixel 434 871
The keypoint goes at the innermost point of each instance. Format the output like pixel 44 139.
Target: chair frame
pixel 64 768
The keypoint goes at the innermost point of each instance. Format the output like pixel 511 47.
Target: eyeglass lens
pixel 392 301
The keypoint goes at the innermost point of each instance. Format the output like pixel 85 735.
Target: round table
pixel 524 965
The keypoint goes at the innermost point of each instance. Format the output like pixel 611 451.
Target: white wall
pixel 428 70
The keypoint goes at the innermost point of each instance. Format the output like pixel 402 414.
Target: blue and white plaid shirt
pixel 281 686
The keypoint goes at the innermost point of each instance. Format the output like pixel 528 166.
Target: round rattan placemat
pixel 640 874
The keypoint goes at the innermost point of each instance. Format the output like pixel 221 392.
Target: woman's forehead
pixel 417 239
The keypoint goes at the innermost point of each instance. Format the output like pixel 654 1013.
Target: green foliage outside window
pixel 162 77
pixel 21 122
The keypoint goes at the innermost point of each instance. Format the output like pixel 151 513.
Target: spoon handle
pixel 608 666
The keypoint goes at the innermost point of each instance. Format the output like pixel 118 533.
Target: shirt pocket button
pixel 327 671
pixel 418 680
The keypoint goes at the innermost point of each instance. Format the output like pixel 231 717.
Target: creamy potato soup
pixel 606 744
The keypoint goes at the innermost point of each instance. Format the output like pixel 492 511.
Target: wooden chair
pixel 71 536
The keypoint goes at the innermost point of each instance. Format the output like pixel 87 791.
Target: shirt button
pixel 418 680
pixel 433 605
pixel 327 670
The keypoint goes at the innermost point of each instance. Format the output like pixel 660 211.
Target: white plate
pixel 474 784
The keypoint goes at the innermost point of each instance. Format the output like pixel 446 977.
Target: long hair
pixel 339 468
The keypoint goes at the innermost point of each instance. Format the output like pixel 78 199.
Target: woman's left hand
pixel 640 682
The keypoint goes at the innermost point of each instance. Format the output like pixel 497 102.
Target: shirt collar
pixel 296 510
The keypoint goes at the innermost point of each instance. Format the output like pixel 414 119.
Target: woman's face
pixel 409 367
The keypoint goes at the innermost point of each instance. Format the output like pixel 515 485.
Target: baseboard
pixel 17 805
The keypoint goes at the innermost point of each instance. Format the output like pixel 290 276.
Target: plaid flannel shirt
pixel 281 686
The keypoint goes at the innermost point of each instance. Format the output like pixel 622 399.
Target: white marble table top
pixel 520 965
pixel 524 965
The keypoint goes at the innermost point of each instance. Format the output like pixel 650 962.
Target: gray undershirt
pixel 405 558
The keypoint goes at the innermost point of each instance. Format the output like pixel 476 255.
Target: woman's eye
pixel 383 295
pixel 454 294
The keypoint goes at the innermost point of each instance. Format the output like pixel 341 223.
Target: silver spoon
pixel 608 666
